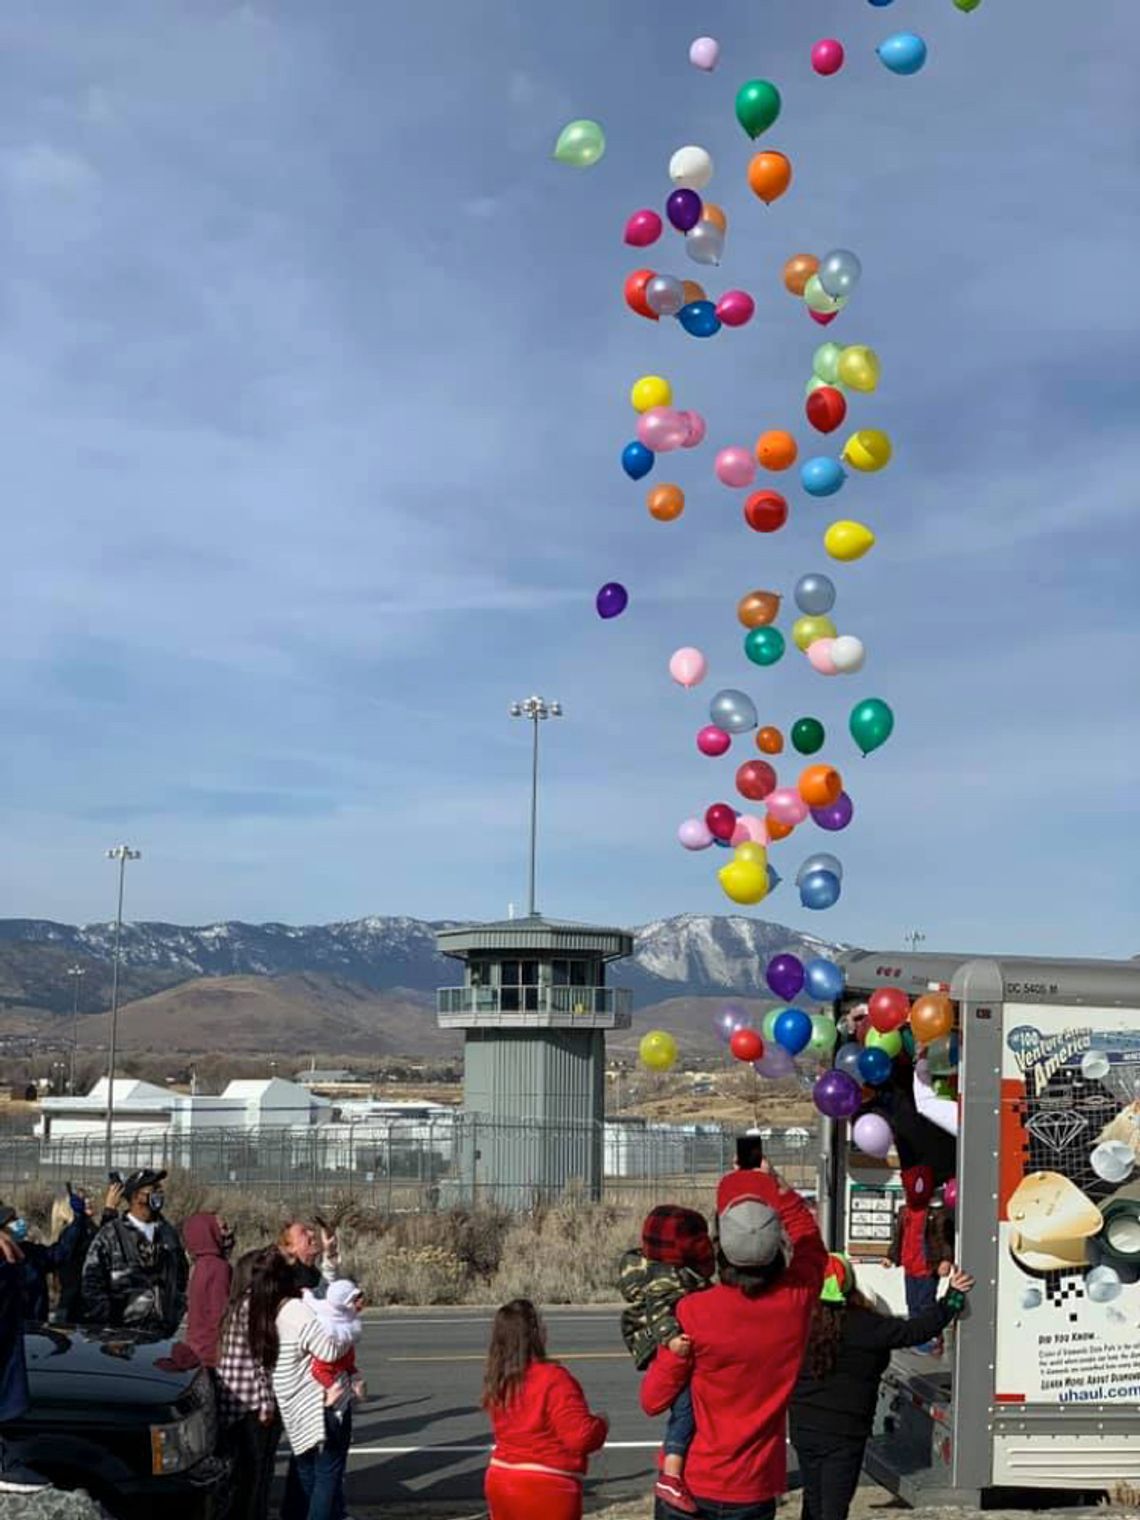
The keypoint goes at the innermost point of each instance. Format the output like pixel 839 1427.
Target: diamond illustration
pixel 1056 1130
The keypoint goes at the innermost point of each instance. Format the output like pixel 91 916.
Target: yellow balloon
pixel 848 540
pixel 650 391
pixel 859 367
pixel 806 630
pixel 752 853
pixel 744 881
pixel 869 449
pixel 658 1050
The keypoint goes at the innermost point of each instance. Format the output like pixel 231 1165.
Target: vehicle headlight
pixel 174 1448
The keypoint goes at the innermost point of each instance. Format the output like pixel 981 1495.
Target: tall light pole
pixel 76 973
pixel 914 939
pixel 122 853
pixel 537 709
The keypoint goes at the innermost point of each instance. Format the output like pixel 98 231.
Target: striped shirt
pixel 300 1398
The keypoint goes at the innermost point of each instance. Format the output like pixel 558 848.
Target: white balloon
pixel 848 654
pixel 691 168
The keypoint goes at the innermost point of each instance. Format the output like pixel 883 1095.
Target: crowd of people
pixel 743 1336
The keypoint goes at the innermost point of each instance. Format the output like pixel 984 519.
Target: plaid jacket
pixel 243 1387
pixel 652 1289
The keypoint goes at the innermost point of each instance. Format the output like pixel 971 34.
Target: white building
pixel 143 1109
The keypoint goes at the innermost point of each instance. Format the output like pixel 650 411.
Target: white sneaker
pixel 15 1478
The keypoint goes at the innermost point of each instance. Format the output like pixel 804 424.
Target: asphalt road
pixel 421 1435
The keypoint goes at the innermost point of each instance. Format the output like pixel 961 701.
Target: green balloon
pixel 871 724
pixel 825 362
pixel 764 646
pixel 580 144
pixel 768 1025
pixel 967 5
pixel 757 106
pixel 807 736
pixel 890 1041
pixel 823 1034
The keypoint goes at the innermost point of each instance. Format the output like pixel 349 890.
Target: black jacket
pixel 40 1261
pixel 128 1280
pixel 844 1403
pixel 69 1310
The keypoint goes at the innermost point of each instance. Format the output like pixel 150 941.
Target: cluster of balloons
pixel 824 285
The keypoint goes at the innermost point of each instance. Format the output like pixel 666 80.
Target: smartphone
pixel 321 1224
pixel 116 1178
pixel 749 1152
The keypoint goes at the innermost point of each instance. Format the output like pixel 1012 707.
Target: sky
pixel 315 373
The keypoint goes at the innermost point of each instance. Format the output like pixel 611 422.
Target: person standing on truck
pixel 136 1270
pixel 833 1406
pixel 922 1242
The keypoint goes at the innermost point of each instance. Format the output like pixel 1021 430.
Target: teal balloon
pixel 903 53
pixel 871 724
pixel 580 144
pixel 757 106
pixel 764 646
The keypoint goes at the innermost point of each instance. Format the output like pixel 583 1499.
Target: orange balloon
pixel 694 291
pixel 931 1016
pixel 714 214
pixel 635 293
pixel 770 741
pixel 665 502
pixel 798 271
pixel 770 174
pixel 820 785
pixel 776 450
pixel 758 608
pixel 776 829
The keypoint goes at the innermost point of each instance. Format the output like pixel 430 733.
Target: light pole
pixel 914 939
pixel 76 973
pixel 122 853
pixel 537 709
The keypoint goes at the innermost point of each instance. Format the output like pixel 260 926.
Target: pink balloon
pixel 827 56
pixel 749 830
pixel 819 654
pixel 703 53
pixel 694 834
pixel 786 805
pixel 734 467
pixel 713 741
pixel 695 429
pixel 688 667
pixel 735 308
pixel 822 317
pixel 644 227
pixel 872 1134
pixel 661 429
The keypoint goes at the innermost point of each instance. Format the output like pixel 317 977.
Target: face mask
pixel 156 1201
pixel 18 1229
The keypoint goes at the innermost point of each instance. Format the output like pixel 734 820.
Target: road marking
pixel 481 1356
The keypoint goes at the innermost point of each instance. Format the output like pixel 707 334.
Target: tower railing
pixel 535 1007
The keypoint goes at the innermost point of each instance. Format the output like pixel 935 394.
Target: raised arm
pixel 940 1111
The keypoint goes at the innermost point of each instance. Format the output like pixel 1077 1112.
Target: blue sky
pixel 314 376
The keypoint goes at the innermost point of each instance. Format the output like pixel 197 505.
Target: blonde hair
pixel 61 1216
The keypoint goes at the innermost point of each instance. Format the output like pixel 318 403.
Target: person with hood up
pixel 209 1242
pixel 136 1270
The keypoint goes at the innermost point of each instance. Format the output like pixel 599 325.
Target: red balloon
pixel 754 780
pixel 826 408
pixel 746 1045
pixel 635 293
pixel 765 511
pixel 720 820
pixel 822 317
pixel 888 1008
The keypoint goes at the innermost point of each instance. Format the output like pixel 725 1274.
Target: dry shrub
pixel 427 1275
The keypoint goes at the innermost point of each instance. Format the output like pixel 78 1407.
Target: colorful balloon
pixel 786 805
pixel 757 106
pixel 769 175
pixel 823 1035
pixel 580 144
pixel 720 820
pixel 764 646
pixel 643 228
pixel 658 1050
pixel 755 779
pixel 932 1017
pixel 729 1019
pixel 871 724
pixel 950 1186
pixel 848 654
pixel 778 830
pixel 837 1095
pixel 817 300
pixel 888 1008
pixel 683 208
pixel 735 467
pixel 775 1063
pixel 776 449
pixel 798 271
pixel 825 362
pixel 703 53
pixel 819 862
pixel 807 736
pixel 839 272
pixel 649 392
pixel 713 741
pixel 695 429
pixel 661 429
pixel 859 368
pixel 751 851
pixel 734 711
pixel 691 168
pixel 889 1040
pixel 612 600
pixel 770 741
pixel 874 1065
pixel 636 460
pixel 826 407
pixel 820 785
pixel 847 541
pixel 822 476
pixel 819 890
pixel 827 55
pixel 664 295
pixel 743 882
pixel 735 308
pixel 704 243
pixel 746 1045
pixel 823 978
pixel 815 594
pixel 635 287
pixel 688 667
pixel 699 319
pixel 835 817
pixel 902 53
pixel 758 608
pixel 967 6
pixel 942 1055
pixel 847 1059
pixel 792 1030
pixel 819 652
pixel 715 214
pixel 693 290
pixel 806 630
pixel 822 317
pixel 785 977
pixel 869 450
pixel 872 1134
pixel 694 834
pixel 749 830
pixel 665 503
pixel 766 511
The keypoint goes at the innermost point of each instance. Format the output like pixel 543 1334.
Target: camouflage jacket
pixel 652 1291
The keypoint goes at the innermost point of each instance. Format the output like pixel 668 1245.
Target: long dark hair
pixel 825 1335
pixel 247 1266
pixel 517 1340
pixel 753 1282
pixel 273 1281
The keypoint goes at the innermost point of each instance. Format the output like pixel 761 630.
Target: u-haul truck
pixel 1040 1383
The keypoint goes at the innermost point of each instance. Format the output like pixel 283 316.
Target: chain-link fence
pixel 407 1165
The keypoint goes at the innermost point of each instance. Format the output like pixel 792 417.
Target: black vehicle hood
pixel 100 1368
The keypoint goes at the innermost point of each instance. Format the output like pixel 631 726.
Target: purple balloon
pixel 785 976
pixel 836 815
pixel 872 1134
pixel 836 1095
pixel 612 600
pixel 683 208
pixel 730 1018
pixel 775 1062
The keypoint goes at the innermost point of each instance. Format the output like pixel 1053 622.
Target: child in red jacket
pixel 339 1314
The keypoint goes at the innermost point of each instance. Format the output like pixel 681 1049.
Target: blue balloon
pixel 636 460
pixel 824 980
pixel 819 889
pixel 902 53
pixel 699 319
pixel 822 476
pixel 881 3
pixel 774 878
pixel 874 1065
pixel 847 1058
pixel 792 1030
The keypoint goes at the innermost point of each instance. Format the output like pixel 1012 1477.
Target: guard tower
pixel 534 1008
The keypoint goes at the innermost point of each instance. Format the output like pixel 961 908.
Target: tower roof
pixel 535 934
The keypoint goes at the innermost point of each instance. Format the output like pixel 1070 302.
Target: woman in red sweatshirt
pixel 209 1242
pixel 544 1431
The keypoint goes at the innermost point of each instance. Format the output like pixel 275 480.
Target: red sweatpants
pixel 514 1495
